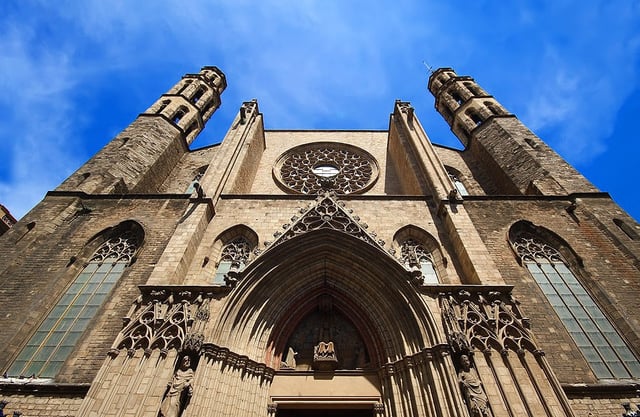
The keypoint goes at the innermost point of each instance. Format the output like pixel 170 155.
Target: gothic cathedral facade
pixel 315 273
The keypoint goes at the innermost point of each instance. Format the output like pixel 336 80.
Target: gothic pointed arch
pixel 232 250
pixel 421 253
pixel 106 257
pixel 556 269
pixel 283 284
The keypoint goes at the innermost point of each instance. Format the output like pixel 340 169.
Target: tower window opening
pixel 474 89
pixel 179 115
pixel 163 106
pixel 456 96
pixel 492 108
pixel 475 117
pixel 191 127
pixel 602 347
pixel 186 84
pixel 198 95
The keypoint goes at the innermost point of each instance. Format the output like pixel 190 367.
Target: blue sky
pixel 75 73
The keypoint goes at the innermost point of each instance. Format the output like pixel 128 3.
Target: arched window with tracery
pixel 234 257
pixel 454 176
pixel 600 343
pixel 196 179
pixel 415 256
pixel 51 344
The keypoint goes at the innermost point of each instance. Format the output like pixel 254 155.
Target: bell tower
pixel 519 161
pixel 140 158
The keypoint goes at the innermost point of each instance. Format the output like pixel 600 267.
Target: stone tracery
pixel 319 167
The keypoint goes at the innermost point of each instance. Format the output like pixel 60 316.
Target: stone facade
pixel 312 273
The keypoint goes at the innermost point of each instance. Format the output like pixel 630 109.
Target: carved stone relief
pixel 485 320
pixel 327 213
pixel 163 320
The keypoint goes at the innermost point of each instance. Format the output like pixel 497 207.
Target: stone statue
pixel 289 361
pixel 181 381
pixel 325 350
pixel 324 356
pixel 472 389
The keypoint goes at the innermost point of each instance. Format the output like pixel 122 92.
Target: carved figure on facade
pixel 471 386
pixel 324 356
pixel 179 390
pixel 324 350
pixel 289 361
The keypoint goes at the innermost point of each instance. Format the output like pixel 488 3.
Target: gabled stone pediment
pixel 326 213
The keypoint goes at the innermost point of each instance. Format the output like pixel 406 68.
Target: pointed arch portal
pixel 330 286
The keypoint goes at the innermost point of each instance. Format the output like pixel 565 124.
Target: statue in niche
pixel 474 395
pixel 289 361
pixel 178 387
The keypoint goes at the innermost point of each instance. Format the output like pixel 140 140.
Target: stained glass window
pixel 459 184
pixel 58 334
pixel 234 256
pixel 603 348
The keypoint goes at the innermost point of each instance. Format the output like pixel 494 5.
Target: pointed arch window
pixel 603 348
pixel 453 176
pixel 416 257
pixel 196 180
pixel 182 111
pixel 51 344
pixel 233 258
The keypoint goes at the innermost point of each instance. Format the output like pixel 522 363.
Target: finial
pixel 428 67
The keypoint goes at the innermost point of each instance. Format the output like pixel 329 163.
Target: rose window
pixel 326 166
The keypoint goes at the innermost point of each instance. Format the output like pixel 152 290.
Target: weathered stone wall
pixel 37 404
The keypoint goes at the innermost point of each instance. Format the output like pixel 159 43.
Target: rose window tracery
pixel 320 167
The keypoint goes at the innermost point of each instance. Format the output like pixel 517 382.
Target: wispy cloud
pixel 564 70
